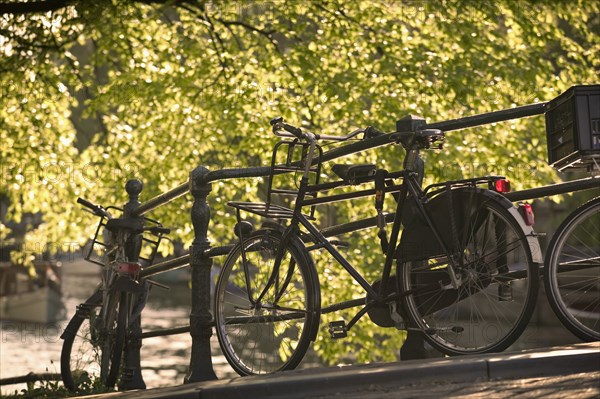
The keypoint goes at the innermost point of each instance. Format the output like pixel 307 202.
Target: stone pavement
pixel 568 371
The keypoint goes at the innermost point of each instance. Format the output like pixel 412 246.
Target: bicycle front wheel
pixel 572 272
pixel 93 345
pixel 496 290
pixel 266 316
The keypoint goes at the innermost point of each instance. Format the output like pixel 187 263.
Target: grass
pixel 86 385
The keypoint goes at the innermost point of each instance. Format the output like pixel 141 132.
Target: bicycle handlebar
pixel 278 125
pixel 123 223
pixel 282 129
pixel 96 209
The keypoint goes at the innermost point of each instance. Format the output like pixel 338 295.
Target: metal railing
pixel 202 252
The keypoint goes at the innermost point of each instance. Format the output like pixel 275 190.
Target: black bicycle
pixel 97 338
pixel 465 275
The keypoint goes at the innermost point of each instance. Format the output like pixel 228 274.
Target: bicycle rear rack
pixel 472 182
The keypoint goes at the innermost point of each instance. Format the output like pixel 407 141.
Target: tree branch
pixel 33 7
pixel 43 6
pixel 265 33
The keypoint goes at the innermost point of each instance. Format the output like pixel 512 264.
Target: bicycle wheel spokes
pixel 494 299
pixel 85 357
pixel 572 275
pixel 107 332
pixel 263 328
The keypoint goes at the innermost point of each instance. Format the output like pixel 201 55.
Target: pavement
pixel 567 371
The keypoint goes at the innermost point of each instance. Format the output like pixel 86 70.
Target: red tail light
pixel 129 268
pixel 502 186
pixel 527 213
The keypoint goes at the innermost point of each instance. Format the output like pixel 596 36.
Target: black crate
pixel 573 129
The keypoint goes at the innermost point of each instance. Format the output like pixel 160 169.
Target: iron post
pixel 201 368
pixel 132 372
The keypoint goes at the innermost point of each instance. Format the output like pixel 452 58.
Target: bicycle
pixel 572 271
pixel 97 338
pixel 465 277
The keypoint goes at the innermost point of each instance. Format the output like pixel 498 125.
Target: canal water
pixel 35 347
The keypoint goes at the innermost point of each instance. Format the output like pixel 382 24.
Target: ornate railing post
pixel 132 373
pixel 201 368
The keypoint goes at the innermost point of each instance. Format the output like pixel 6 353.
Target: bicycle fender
pixel 534 244
pixel 81 313
pixel 418 241
pixel 530 234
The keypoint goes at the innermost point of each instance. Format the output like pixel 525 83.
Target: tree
pixel 97 92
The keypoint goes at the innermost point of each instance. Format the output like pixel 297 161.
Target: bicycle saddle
pixel 352 173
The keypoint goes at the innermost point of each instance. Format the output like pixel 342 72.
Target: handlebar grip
pixel 87 204
pixel 296 131
pixel 278 123
pixel 275 121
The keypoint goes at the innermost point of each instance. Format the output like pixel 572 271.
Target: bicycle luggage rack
pixel 270 211
pixel 282 169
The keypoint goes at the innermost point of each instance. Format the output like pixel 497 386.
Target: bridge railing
pixel 202 251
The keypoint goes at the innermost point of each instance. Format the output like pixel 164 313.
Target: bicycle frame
pixel 410 189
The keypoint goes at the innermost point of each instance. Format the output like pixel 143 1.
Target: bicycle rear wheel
pixel 498 284
pixel 572 272
pixel 89 359
pixel 272 333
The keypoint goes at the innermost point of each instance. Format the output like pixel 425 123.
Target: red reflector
pixel 502 186
pixel 129 268
pixel 527 214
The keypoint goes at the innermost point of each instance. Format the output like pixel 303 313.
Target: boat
pixel 23 298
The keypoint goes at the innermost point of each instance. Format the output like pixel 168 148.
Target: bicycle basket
pixel 100 245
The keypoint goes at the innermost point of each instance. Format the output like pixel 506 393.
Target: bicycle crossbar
pixel 346 196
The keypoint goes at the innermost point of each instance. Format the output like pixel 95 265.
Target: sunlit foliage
pixel 100 91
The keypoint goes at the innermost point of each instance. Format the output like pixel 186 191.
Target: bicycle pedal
pixel 337 329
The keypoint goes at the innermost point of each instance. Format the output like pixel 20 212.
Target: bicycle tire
pixel 273 334
pixel 118 344
pixel 572 271
pixel 82 353
pixel 492 307
pixel 71 369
